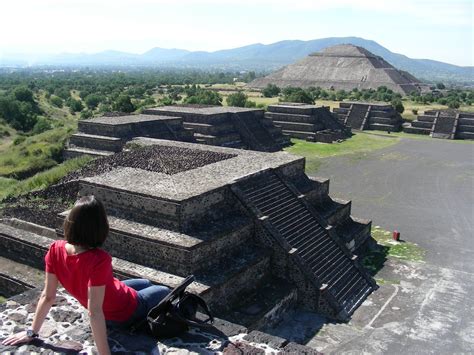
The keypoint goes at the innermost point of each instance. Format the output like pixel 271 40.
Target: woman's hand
pixel 18 338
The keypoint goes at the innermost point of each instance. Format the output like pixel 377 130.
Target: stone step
pixel 334 210
pixel 238 273
pixel 384 127
pixel 383 120
pixel 209 129
pixel 328 262
pixel 465 135
pixel 291 109
pixel 16 277
pixel 73 152
pixel 217 140
pixel 354 232
pixel 417 130
pixel 382 114
pixel 265 306
pixel 91 141
pixel 426 118
pixel 173 251
pixel 300 127
pixel 137 207
pixel 287 117
pixel 422 124
pixel 299 134
pixel 465 128
pixel 466 121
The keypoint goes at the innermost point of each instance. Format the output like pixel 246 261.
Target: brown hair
pixel 86 224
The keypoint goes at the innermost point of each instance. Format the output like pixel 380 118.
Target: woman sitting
pixel 85 271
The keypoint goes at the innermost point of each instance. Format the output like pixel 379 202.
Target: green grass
pixel 33 154
pixel 356 145
pixel 389 248
pixel 43 179
pixel 2 299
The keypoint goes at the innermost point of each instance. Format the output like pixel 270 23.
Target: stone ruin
pixel 213 125
pixel 260 235
pixel 234 127
pixel 447 124
pixel 342 67
pixel 309 122
pixel 107 135
pixel 369 116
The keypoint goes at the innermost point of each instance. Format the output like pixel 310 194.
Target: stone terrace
pixel 447 124
pixel 316 124
pixel 234 127
pixel 260 236
pixel 367 116
pixel 107 135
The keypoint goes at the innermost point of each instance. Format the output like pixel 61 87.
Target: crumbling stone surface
pixel 66 331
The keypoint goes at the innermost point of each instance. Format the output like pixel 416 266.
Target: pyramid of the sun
pixel 342 67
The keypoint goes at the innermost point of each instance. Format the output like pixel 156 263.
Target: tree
pixel 22 93
pixel 453 103
pixel 92 101
pixel 124 104
pixel 56 101
pixel 75 105
pixel 237 99
pixel 440 86
pixel 205 97
pixel 297 95
pixel 398 105
pixel 271 90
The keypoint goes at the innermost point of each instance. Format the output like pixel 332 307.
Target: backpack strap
pixel 196 322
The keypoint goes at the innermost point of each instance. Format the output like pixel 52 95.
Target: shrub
pixel 42 125
pixel 56 101
pixel 398 105
pixel 271 90
pixel 238 99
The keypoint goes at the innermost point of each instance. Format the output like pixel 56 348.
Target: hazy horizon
pixel 423 29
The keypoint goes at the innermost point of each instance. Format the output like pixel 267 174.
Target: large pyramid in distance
pixel 344 67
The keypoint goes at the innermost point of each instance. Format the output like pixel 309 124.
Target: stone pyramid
pixel 344 67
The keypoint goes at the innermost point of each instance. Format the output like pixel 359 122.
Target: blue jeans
pixel 149 296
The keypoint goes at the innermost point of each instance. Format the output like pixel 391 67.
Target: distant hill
pixel 258 57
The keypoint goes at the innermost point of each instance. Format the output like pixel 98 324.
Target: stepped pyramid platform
pixel 342 67
pixel 234 127
pixel 369 116
pixel 445 124
pixel 260 236
pixel 107 135
pixel 315 124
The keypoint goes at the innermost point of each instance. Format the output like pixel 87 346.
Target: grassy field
pixel 12 187
pixel 358 144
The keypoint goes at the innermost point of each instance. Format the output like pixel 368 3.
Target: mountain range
pixel 259 57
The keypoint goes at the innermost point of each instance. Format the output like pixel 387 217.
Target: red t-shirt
pixel 91 268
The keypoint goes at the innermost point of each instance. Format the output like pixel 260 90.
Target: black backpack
pixel 177 312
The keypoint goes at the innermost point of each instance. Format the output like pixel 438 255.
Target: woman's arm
pixel 47 298
pixel 97 319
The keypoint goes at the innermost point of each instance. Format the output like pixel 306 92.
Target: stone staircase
pixel 307 122
pixel 371 116
pixel 233 127
pixel 465 128
pixel 258 234
pixel 299 229
pixel 446 124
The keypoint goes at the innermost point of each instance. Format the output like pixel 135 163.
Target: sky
pixel 432 29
